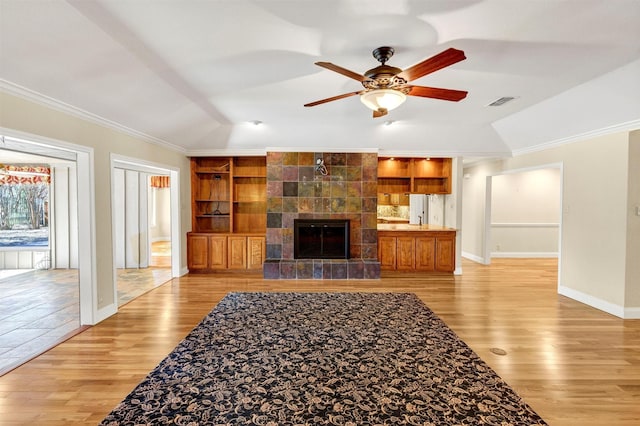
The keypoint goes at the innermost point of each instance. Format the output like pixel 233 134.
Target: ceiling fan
pixel 386 87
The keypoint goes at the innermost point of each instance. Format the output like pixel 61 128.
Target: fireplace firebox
pixel 321 238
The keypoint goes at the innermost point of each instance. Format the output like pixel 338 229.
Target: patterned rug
pixel 322 359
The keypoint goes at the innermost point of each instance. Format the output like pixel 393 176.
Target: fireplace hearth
pixel 321 239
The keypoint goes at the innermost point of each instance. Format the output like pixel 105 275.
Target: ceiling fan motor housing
pixel 384 76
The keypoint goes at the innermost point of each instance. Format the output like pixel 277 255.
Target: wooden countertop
pixel 412 228
pixel 391 219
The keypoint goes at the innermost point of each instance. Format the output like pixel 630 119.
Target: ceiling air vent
pixel 503 100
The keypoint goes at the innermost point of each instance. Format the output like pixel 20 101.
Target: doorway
pixel 523 217
pixel 160 221
pixel 145 200
pixel 42 307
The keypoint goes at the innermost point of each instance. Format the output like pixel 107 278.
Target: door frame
pixel 84 158
pixel 487 213
pixel 136 164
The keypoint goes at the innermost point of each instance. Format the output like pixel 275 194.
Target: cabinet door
pixel 256 252
pixel 405 253
pixel 387 252
pixel 217 252
pixel 445 254
pixel 237 247
pixel 197 252
pixel 425 253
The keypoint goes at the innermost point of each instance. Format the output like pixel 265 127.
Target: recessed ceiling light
pixel 256 122
pixel 389 122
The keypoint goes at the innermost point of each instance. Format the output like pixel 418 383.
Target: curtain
pixel 160 182
pixel 24 175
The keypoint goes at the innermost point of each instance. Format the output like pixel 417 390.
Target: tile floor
pixel 40 308
pixel 37 310
pixel 135 282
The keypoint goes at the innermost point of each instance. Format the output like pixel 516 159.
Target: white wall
pixel 160 230
pixel 525 214
pixel 454 208
pixel 594 220
pixel 632 295
pixel 33 118
pixel 24 259
pixel 474 187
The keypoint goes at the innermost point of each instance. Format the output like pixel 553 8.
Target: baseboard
pixel 600 304
pixel 473 257
pixel 524 255
pixel 631 313
pixel 184 271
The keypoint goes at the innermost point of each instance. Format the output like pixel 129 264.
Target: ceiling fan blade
pixel 334 98
pixel 343 71
pixel 434 63
pixel 437 93
pixel 380 113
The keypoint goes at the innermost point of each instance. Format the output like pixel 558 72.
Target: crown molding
pixel 319 149
pixel 443 154
pixel 33 96
pixel 622 127
pixel 225 152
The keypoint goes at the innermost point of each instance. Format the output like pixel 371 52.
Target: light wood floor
pixel 573 364
pixel 40 308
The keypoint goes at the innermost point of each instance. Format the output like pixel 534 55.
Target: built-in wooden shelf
pixel 236 187
pixel 412 176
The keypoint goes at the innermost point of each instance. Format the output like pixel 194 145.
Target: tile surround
pixel 348 191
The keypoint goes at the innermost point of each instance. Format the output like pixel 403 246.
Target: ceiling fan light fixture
pixel 386 99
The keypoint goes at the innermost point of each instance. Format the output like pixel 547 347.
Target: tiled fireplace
pixel 345 189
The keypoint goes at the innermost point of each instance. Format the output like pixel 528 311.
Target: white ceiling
pixel 193 74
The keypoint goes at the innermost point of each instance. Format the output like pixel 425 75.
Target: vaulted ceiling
pixel 195 74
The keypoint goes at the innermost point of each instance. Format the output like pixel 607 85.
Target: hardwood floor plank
pixel 573 364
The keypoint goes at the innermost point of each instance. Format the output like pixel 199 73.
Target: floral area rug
pixel 322 359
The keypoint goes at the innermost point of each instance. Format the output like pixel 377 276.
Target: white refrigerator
pixel 426 209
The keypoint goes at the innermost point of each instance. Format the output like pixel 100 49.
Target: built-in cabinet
pixel 417 251
pixel 399 177
pixel 229 213
pixel 209 252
